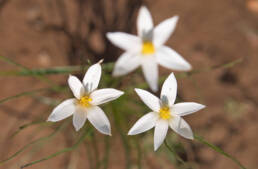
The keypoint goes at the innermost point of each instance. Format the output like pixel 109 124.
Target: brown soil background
pixel 209 33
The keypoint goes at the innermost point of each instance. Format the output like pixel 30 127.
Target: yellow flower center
pixel 85 101
pixel 164 113
pixel 148 48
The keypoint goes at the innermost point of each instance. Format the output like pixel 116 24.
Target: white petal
pixel 125 41
pixel 144 21
pixel 186 108
pixel 169 90
pixel 149 99
pixel 79 118
pixel 92 77
pixel 104 95
pixel 180 126
pixel 126 63
pixel 76 86
pixel 63 110
pixel 145 123
pixel 150 72
pixel 164 30
pixel 99 120
pixel 160 133
pixel 171 59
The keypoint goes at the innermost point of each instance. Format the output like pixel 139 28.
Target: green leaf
pixel 219 150
pixel 27 125
pixel 178 158
pixel 40 72
pixel 31 92
pixel 34 142
pixel 81 139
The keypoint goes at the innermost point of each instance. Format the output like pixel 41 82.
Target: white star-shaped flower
pixel 165 113
pixel 147 49
pixel 85 104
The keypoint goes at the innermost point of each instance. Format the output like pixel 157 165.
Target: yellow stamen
pixel 164 113
pixel 85 101
pixel 148 48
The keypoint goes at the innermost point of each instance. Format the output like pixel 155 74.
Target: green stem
pixel 34 142
pixel 219 150
pixel 59 152
pixel 107 152
pixel 89 155
pixel 96 151
pixel 27 125
pixel 117 119
pixel 106 66
pixel 178 158
pixel 23 94
pixel 139 154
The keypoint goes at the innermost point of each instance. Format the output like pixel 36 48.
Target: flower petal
pixel 125 41
pixel 79 118
pixel 169 90
pixel 150 72
pixel 92 77
pixel 186 108
pixel 145 123
pixel 104 95
pixel 144 21
pixel 99 120
pixel 76 86
pixel 149 99
pixel 180 126
pixel 63 110
pixel 160 133
pixel 164 30
pixel 126 63
pixel 171 59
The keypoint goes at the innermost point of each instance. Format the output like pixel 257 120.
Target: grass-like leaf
pixel 80 140
pixel 39 72
pixel 219 150
pixel 31 92
pixel 27 125
pixel 34 142
pixel 178 158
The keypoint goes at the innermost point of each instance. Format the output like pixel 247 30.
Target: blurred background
pixel 55 33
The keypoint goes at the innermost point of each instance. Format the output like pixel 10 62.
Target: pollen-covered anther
pixel 85 101
pixel 164 113
pixel 148 48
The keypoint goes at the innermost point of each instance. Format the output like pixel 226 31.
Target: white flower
pixel 165 113
pixel 147 49
pixel 85 104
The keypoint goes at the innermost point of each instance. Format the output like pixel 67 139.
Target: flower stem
pixel 219 150
pixel 41 139
pixel 81 139
pixel 178 158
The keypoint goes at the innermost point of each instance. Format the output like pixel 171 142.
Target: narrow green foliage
pixel 219 150
pixel 229 64
pixel 139 153
pixel 118 123
pixel 80 140
pixel 41 77
pixel 120 109
pixel 107 152
pixel 40 72
pixel 31 92
pixel 41 139
pixel 178 158
pixel 11 62
pixel 50 71
pixel 27 125
pixel 225 66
